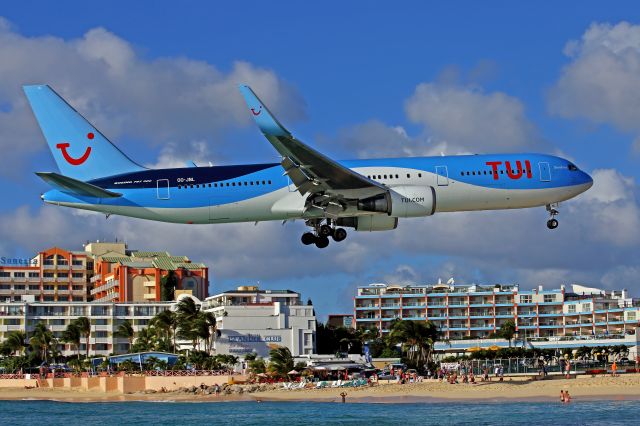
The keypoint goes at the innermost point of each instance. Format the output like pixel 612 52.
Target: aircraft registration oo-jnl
pixel 329 195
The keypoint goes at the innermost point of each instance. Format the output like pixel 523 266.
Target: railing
pixel 95 278
pixel 108 297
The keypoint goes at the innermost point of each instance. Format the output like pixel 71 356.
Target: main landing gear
pixel 552 223
pixel 322 232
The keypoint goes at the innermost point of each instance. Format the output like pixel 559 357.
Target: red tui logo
pixel 71 160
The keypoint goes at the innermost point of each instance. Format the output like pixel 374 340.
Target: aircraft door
pixel 545 172
pixel 162 186
pixel 442 174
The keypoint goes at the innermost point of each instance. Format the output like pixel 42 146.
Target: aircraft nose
pixel 588 180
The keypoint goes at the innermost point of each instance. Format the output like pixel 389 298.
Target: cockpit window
pixel 572 167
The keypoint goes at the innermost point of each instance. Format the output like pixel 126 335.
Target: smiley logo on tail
pixel 256 113
pixel 71 160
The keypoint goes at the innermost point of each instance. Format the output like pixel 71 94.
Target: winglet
pixel 269 125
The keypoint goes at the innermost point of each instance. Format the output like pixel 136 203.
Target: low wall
pixel 18 383
pixel 122 384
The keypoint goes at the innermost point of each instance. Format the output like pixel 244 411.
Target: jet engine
pixel 402 201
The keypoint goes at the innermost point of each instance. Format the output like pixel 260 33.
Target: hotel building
pixel 105 319
pixel 254 320
pixel 102 272
pixel 53 275
pixel 476 312
pixel 122 275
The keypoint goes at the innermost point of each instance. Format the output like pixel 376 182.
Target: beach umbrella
pixel 494 348
pixel 293 372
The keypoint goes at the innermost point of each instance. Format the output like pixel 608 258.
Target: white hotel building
pixel 254 320
pixel 467 315
pixel 249 320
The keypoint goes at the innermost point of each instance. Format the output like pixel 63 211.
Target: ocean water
pixel 300 413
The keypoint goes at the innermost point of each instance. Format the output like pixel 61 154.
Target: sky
pixel 355 80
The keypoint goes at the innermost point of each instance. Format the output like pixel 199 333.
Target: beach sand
pixel 624 387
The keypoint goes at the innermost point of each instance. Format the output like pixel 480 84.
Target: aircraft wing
pixel 309 170
pixel 74 186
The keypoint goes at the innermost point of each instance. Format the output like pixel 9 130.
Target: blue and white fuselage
pixel 366 194
pixel 260 192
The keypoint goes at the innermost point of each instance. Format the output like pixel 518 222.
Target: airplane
pixel 329 195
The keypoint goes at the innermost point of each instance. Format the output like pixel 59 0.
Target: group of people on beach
pixel 565 397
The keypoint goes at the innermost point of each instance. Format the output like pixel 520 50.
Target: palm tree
pixel 72 335
pixel 126 331
pixel 42 340
pixel 416 337
pixel 209 321
pixel 16 341
pixel 167 321
pixel 187 309
pixel 507 330
pixel 84 326
pixel 280 361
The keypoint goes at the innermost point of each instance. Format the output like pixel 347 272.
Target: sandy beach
pixel 624 387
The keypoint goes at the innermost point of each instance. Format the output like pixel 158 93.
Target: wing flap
pixel 74 186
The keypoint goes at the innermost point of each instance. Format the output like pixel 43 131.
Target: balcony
pixel 367 307
pixel 149 284
pixel 95 278
pixel 48 279
pixel 108 297
pixel 62 267
pixel 78 279
pixel 149 296
pixel 368 319
pixel 105 287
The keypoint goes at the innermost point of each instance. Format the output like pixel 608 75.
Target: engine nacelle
pixel 369 223
pixel 402 201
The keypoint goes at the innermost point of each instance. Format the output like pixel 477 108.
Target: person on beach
pixel 561 395
pixel 344 397
pixel 567 397
pixel 614 369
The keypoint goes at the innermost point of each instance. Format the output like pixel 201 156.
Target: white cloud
pixel 602 81
pixel 165 100
pixel 472 120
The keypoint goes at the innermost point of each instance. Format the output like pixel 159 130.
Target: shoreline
pixel 622 388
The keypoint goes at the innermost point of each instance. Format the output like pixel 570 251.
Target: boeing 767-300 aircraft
pixel 329 195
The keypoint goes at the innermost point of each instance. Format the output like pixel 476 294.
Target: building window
pixel 34 274
pixel 5 287
pixel 586 307
pixel 525 299
pixel 549 298
pixel 77 263
pixel 18 274
pixel 34 288
pixel 48 275
pixel 571 308
pixel 77 275
pixel 4 274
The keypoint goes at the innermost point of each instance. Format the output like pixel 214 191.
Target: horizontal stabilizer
pixel 77 187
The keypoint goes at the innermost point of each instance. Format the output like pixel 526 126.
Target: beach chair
pixel 336 384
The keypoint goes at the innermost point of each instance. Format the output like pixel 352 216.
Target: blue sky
pixel 345 77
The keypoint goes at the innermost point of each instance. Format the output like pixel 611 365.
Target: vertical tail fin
pixel 80 150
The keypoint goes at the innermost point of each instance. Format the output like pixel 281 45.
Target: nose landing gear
pixel 552 223
pixel 321 234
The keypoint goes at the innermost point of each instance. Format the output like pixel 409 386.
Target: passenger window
pixel 419 174
pixel 473 173
pixel 385 176
pixel 191 186
pixel 408 176
pixel 215 185
pixel 263 182
pixel 269 182
pixel 397 177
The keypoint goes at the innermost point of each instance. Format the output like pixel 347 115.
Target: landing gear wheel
pixel 339 234
pixel 552 223
pixel 325 231
pixel 308 238
pixel 322 242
